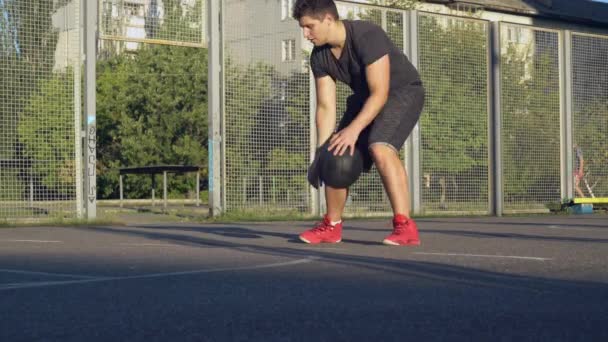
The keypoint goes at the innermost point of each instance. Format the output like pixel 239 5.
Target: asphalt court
pixel 527 278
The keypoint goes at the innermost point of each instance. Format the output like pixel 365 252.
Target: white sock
pixel 335 223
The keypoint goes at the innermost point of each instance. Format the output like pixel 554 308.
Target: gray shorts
pixel 394 123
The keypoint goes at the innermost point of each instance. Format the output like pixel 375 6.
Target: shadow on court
pixel 257 282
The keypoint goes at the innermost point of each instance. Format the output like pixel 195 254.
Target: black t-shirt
pixel 365 43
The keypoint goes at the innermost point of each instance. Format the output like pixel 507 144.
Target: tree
pixel 531 124
pixel 590 129
pixel 454 123
pixel 46 134
pixel 27 45
pixel 151 110
pixel 400 4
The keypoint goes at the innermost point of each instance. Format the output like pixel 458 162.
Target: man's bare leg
pixel 394 177
pixel 335 201
pixel 328 231
pixel 577 186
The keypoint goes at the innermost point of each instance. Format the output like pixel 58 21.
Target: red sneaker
pixel 405 232
pixel 324 232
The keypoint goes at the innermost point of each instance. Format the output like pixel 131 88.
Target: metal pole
pixel 214 98
pixel 315 194
pixel 413 158
pixel 121 197
pixel 153 188
pixel 198 186
pixel 490 112
pixel 165 190
pixel 567 135
pixel 495 119
pixel 78 126
pixel 90 152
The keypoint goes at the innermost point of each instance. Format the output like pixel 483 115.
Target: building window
pixel 515 35
pixel 286 8
pixel 288 48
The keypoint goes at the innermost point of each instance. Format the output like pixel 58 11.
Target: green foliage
pixel 265 133
pixel 531 125
pixel 27 40
pixel 454 123
pixel 152 110
pixel 27 47
pixel 46 133
pixel 401 4
pixel 590 132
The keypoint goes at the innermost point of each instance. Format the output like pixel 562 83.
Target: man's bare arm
pixel 326 108
pixel 378 79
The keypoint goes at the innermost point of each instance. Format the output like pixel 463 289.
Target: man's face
pixel 315 30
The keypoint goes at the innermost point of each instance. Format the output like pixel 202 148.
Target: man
pixel 579 172
pixel 386 103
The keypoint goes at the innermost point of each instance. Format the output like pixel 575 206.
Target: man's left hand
pixel 343 140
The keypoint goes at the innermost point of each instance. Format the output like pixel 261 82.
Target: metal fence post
pixel 565 67
pixel 90 150
pixel 164 190
pixel 214 110
pixel 494 139
pixel 81 199
pixel 198 187
pixel 413 165
pixel 315 194
pixel 121 190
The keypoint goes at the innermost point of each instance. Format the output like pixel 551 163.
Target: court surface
pixel 537 278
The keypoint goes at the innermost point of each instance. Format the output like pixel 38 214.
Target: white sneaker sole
pixel 306 241
pixel 392 243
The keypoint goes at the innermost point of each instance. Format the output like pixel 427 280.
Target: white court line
pixel 486 256
pixel 5 270
pixel 568 228
pixel 148 245
pixel 155 275
pixel 32 241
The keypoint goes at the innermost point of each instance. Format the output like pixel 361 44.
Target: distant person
pixel 579 173
pixel 387 100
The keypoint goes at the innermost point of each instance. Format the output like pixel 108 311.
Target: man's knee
pixel 382 154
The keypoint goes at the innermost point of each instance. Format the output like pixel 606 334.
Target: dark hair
pixel 315 8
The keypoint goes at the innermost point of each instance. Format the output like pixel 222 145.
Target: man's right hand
pixel 314 170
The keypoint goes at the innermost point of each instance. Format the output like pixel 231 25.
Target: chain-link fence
pixel 266 115
pixel 40 109
pixel 530 98
pixel 151 94
pixel 172 22
pixel 590 115
pixel 266 71
pixel 152 107
pixel 453 63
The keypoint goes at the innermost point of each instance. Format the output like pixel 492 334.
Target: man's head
pixel 316 17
